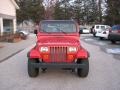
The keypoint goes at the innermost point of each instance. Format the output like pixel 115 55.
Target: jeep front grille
pixel 58 54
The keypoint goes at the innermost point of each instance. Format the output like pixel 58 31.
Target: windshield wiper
pixel 46 31
pixel 61 30
pixel 53 32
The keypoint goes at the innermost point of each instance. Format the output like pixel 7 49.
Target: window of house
pixel 7 26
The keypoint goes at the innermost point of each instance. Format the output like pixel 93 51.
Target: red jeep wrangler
pixel 58 46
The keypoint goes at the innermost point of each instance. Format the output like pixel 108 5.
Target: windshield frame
pixel 59 22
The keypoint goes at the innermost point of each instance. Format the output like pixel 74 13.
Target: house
pixel 8 16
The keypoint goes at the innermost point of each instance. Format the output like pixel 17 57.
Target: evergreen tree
pixel 86 10
pixel 113 12
pixel 30 10
pixel 63 10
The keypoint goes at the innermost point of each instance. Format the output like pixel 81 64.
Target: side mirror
pixel 35 31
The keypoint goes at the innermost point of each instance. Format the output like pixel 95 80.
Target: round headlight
pixel 44 49
pixel 72 49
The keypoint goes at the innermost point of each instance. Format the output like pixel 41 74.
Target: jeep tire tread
pixel 32 71
pixel 101 38
pixel 113 42
pixel 83 72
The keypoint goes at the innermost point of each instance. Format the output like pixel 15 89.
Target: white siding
pixel 1 26
pixel 6 7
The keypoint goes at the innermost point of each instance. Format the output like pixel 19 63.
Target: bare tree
pixel 49 6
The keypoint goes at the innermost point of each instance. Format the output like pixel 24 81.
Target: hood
pixel 64 41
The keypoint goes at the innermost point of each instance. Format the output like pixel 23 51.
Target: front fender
pixel 82 54
pixel 34 54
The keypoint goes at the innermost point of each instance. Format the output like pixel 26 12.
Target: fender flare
pixel 83 54
pixel 33 54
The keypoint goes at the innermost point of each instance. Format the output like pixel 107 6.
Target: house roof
pixel 15 4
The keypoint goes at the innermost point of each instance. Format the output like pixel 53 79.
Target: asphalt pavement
pixel 105 45
pixel 104 73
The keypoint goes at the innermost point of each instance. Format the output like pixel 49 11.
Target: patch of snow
pixel 113 50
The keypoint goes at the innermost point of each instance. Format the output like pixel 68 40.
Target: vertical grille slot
pixel 58 54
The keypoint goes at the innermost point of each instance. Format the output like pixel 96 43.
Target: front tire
pixel 94 34
pixel 32 71
pixel 113 42
pixel 101 38
pixel 83 72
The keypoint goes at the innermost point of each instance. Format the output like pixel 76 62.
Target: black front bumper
pixel 58 65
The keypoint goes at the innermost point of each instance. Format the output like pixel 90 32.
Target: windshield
pixel 58 26
pixel 103 27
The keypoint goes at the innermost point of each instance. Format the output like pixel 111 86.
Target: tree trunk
pixel 100 11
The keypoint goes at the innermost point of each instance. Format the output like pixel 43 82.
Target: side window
pixel 97 27
pixel 118 27
pixel 103 27
pixel 114 28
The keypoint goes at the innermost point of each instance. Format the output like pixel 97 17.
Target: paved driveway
pixel 104 74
